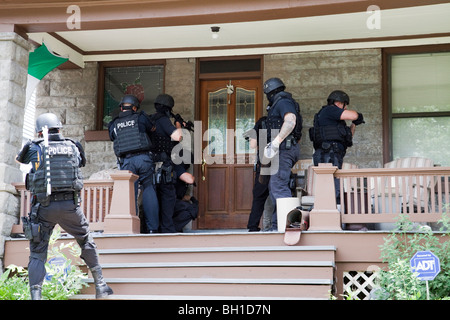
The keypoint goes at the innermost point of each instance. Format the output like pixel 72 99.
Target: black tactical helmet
pixel 340 96
pixel 129 98
pixel 273 84
pixel 165 100
pixel 47 119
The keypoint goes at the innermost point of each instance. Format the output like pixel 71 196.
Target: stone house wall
pixel 312 76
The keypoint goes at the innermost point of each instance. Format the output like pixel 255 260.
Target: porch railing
pixel 97 198
pixel 379 195
pixel 367 196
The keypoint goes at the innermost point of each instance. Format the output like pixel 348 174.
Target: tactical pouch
pixel 32 231
pixel 27 228
pixel 326 146
pixel 167 174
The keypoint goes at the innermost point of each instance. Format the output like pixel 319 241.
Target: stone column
pixel 13 78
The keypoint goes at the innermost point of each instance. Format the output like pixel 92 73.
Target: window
pixel 420 105
pixel 145 80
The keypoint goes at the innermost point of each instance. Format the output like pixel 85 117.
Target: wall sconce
pixel 215 32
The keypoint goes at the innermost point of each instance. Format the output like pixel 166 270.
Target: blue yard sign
pixel 426 264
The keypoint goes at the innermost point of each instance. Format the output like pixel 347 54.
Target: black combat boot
pixel 102 290
pixel 36 292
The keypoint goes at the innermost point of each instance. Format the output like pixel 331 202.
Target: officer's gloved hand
pixel 20 157
pixel 271 149
pixel 359 120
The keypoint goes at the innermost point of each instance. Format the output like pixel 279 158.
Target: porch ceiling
pixel 152 34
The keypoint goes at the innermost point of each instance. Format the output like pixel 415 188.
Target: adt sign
pixel 426 264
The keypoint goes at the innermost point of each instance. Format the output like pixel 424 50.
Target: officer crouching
pixel 131 133
pixel 55 182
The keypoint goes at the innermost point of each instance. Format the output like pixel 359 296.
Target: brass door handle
pixel 203 169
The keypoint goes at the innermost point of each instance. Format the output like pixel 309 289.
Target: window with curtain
pixel 420 106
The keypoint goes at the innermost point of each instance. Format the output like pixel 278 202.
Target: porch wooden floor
pixel 222 264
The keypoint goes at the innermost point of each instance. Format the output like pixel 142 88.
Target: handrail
pixel 381 194
pixel 96 197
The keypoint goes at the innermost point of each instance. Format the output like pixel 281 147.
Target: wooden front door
pixel 228 109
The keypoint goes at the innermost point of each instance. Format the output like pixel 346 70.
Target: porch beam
pixel 58 47
pixel 52 16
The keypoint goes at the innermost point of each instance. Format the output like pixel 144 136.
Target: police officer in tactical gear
pixel 260 187
pixel 131 133
pixel 165 137
pixel 55 182
pixel 284 124
pixel 330 134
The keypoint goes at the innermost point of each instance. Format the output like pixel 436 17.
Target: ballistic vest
pixel 161 143
pixel 128 137
pixel 276 122
pixel 338 132
pixel 63 158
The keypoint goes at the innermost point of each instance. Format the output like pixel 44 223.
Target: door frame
pixel 225 76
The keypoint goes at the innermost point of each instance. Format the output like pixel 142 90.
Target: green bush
pixel 61 281
pixel 398 282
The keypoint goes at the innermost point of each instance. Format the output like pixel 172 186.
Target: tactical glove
pixel 271 149
pixel 359 120
pixel 21 155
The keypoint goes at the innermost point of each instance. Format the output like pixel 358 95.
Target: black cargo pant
pixel 260 194
pixel 70 217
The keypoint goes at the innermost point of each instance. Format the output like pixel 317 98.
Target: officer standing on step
pixel 55 182
pixel 131 133
pixel 284 124
pixel 166 136
pixel 330 134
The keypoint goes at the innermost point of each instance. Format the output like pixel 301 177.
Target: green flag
pixel 40 62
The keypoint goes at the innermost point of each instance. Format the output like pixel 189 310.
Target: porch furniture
pixel 388 201
pixel 413 191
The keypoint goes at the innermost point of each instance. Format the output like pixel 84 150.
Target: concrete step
pixel 243 253
pixel 283 288
pixel 216 269
pixel 285 272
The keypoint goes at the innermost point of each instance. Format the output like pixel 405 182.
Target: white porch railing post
pixel 324 215
pixel 122 216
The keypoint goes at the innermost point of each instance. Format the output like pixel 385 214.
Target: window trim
pixel 99 133
pixel 387 114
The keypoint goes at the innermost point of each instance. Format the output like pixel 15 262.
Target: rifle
pixel 47 160
pixel 185 124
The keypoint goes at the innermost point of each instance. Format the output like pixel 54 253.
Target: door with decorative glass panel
pixel 228 109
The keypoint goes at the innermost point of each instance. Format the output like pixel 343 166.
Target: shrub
pixel 61 282
pixel 400 246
